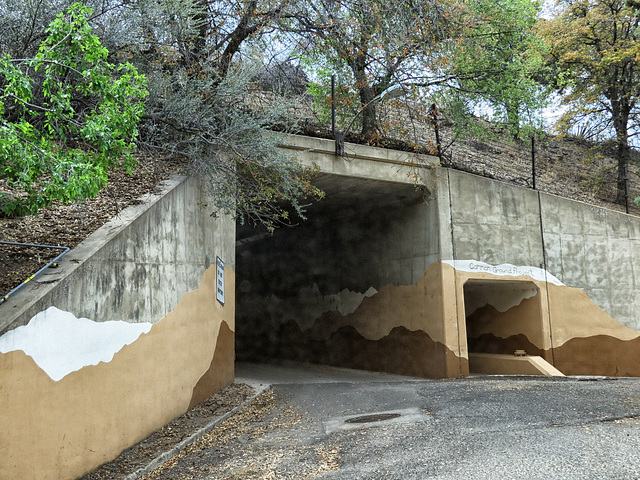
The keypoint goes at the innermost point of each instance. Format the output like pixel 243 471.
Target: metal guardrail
pixel 66 250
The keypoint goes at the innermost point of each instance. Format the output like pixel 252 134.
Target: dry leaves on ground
pixel 164 439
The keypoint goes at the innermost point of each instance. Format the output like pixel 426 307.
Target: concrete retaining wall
pixel 586 247
pixel 137 267
pixel 586 321
pixel 155 263
pixel 491 221
pixel 596 250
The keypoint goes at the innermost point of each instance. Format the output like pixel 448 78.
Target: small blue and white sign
pixel 220 280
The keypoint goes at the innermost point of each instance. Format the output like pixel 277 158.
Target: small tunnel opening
pixel 502 317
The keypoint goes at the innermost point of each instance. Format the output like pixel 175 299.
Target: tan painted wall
pixel 422 329
pixel 589 326
pixel 61 430
pixel 578 316
pixel 587 340
pixel 155 263
pixel 559 323
pixel 495 364
pixel 396 329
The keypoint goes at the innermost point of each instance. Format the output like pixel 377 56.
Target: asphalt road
pixel 475 428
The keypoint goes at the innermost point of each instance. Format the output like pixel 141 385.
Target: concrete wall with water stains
pixel 359 281
pixel 350 288
pixel 583 317
pixel 164 244
pixel 156 263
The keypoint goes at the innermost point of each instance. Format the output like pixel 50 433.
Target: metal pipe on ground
pixel 66 250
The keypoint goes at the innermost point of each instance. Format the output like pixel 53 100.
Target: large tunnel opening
pixel 503 320
pixel 327 291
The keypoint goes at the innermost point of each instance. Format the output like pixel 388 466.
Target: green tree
pixel 201 106
pixel 67 116
pixel 204 107
pixel 594 50
pixel 498 63
pixel 461 53
pixel 374 44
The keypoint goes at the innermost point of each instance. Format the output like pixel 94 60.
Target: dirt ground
pixel 253 444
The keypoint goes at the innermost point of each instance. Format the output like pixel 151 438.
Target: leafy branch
pixel 66 117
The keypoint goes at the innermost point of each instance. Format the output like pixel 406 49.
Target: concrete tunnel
pixel 298 288
pixel 363 283
pixel 502 318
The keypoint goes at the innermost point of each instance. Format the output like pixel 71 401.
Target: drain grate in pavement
pixel 376 419
pixel 373 418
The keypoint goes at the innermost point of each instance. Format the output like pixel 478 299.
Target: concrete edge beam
pixel 363 161
pixel 22 300
pixel 497 364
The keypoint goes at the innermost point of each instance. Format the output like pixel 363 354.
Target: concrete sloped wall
pixel 156 263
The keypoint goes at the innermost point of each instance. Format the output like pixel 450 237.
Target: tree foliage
pixel 595 53
pixel 71 96
pixel 199 108
pixel 373 45
pixel 498 64
pixel 67 115
pixel 460 54
pixel 203 106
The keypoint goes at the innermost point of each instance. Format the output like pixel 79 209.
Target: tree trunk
pixel 201 20
pixel 359 68
pixel 622 195
pixel 366 92
pixel 513 118
pixel 620 123
pixel 242 31
pixel 369 120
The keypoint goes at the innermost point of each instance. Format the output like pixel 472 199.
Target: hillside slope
pixel 565 166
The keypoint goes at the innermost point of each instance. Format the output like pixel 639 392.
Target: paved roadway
pixel 474 428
